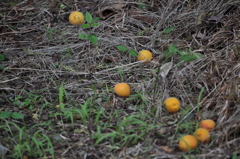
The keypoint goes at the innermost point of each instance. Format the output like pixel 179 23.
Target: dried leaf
pixel 111 9
pixel 167 149
pixel 200 35
pixel 165 68
pixel 111 58
pixel 106 12
pixel 3 150
pixel 119 6
pixel 140 15
pixel 200 18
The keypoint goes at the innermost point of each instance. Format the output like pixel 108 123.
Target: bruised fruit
pixel 208 124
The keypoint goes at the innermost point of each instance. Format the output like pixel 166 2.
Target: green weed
pixel 62 6
pixel 29 101
pixel 141 5
pixel 168 30
pixel 50 32
pixel 1 59
pixel 185 56
pixel 12 3
pixel 125 49
pixel 120 70
pixel 90 23
pixel 128 130
pixel 8 114
pixel 25 143
pixel 62 94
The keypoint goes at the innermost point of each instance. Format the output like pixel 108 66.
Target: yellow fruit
pixel 187 142
pixel 122 89
pixel 202 135
pixel 144 55
pixel 76 18
pixel 172 104
pixel 208 124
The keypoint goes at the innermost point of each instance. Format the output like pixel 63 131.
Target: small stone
pixel 44 117
pixel 162 131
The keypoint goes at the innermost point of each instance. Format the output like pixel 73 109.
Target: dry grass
pixel 41 46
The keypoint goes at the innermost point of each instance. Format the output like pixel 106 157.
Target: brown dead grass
pixel 212 28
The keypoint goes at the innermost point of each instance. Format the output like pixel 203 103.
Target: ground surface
pixel 63 85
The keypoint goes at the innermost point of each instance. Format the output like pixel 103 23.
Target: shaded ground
pixel 64 85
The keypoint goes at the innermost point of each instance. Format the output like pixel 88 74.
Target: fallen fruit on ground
pixel 76 18
pixel 172 104
pixel 187 142
pixel 202 135
pixel 122 89
pixel 208 124
pixel 144 55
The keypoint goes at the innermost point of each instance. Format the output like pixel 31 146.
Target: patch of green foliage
pixel 91 22
pixel 1 59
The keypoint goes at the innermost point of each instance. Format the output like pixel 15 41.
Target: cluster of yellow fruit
pixel 202 134
pixel 172 104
